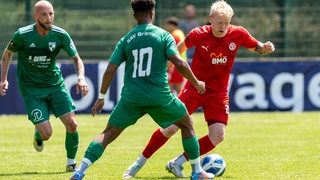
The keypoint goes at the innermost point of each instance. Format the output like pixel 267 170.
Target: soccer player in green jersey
pixel 145 51
pixel 40 80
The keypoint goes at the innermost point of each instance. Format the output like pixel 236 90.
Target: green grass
pixel 275 146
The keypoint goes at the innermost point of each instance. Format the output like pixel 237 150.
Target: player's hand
pixel 268 47
pixel 3 87
pixel 201 87
pixel 97 107
pixel 82 87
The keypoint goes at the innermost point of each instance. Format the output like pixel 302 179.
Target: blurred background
pixel 97 25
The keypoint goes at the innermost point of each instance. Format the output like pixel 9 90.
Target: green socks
pixel 191 147
pixel 94 151
pixel 71 144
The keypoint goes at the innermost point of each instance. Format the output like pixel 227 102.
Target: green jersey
pixel 145 50
pixel 37 71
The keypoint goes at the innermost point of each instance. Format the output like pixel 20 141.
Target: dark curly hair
pixel 142 5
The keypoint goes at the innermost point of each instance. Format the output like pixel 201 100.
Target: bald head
pixel 42 4
pixel 44 15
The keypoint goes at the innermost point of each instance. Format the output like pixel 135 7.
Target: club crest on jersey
pixel 232 46
pixel 52 46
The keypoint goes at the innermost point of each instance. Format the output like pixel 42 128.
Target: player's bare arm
pixel 185 70
pixel 263 48
pixel 107 78
pixel 6 59
pixel 82 86
pixel 182 46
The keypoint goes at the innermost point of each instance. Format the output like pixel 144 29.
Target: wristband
pixel 101 96
pixel 80 77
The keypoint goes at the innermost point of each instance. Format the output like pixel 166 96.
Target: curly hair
pixel 142 5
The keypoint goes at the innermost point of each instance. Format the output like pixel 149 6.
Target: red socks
pixel 156 141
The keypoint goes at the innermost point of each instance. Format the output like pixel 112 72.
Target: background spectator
pixel 188 23
pixel 176 81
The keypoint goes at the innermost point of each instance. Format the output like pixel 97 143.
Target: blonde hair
pixel 222 8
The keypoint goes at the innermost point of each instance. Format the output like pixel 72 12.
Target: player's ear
pixel 210 19
pixel 135 16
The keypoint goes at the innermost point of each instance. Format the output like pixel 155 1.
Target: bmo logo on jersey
pixel 218 59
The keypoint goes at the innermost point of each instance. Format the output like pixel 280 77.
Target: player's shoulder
pixel 59 30
pixel 147 30
pixel 26 29
pixel 237 28
pixel 157 29
pixel 201 30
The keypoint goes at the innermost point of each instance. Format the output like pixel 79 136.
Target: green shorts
pixel 38 107
pixel 126 114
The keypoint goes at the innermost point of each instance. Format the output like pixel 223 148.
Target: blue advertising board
pixel 253 86
pixel 275 86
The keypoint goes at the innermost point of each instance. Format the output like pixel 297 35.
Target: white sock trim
pixel 180 159
pixel 87 161
pixel 141 160
pixel 194 161
pixel 70 161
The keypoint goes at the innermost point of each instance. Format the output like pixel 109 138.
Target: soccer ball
pixel 213 163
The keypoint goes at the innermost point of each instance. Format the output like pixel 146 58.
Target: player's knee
pixel 219 137
pixel 216 138
pixel 46 135
pixel 73 127
pixel 169 131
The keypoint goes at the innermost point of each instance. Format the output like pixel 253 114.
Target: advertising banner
pixel 253 86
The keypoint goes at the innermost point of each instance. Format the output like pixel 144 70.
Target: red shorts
pixel 174 76
pixel 215 105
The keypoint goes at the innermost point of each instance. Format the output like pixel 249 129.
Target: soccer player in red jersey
pixel 216 48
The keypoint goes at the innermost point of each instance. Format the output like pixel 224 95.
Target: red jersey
pixel 214 57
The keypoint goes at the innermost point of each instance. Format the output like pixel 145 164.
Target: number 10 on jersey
pixel 139 61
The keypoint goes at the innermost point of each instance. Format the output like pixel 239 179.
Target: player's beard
pixel 44 26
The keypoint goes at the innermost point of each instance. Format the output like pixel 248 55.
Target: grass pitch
pixel 276 146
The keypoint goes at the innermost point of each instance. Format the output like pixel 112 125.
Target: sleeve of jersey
pixel 15 42
pixel 118 55
pixel 189 42
pixel 248 40
pixel 171 48
pixel 68 45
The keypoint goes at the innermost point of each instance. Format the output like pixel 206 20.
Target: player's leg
pixel 176 110
pixel 161 136
pixel 206 143
pixel 121 117
pixel 191 147
pixel 62 106
pixel 38 113
pixel 43 132
pixel 192 100
pixel 157 140
pixel 71 140
pixel 96 149
pixel 216 128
